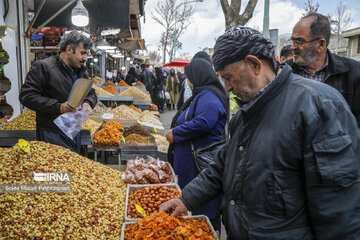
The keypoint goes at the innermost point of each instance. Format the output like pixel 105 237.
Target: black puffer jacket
pixel 344 75
pixel 48 85
pixel 291 169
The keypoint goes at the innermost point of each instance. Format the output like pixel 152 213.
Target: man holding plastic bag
pixel 47 88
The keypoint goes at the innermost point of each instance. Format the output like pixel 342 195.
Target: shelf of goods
pixel 91 206
pixel 182 227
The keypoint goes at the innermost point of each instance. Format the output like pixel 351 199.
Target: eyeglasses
pixel 298 42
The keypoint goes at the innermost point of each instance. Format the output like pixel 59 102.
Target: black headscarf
pixel 203 77
pixel 238 42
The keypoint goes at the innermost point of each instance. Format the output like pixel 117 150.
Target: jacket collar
pixel 255 106
pixel 81 72
pixel 336 64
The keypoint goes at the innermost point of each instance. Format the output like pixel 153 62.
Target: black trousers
pixel 59 138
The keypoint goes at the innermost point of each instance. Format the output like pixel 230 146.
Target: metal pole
pixel 266 20
pixel 174 54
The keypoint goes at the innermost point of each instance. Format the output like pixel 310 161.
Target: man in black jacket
pixel 312 59
pixel 291 169
pixel 48 84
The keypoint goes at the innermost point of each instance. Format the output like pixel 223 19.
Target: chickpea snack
pixel 93 209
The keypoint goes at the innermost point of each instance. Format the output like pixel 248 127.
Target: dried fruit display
pixel 96 81
pixel 133 143
pixel 100 91
pixel 122 83
pixel 94 209
pixel 111 89
pixel 150 198
pixel 108 82
pixel 134 92
pixel 100 108
pixel 91 125
pixel 161 143
pixel 162 226
pixel 138 138
pixel 138 83
pixel 138 130
pixel 24 121
pixel 134 172
pixel 147 116
pixel 124 112
pixel 109 135
pixel 153 107
pixel 135 108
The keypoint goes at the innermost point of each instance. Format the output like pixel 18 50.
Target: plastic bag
pixel 167 95
pixel 70 123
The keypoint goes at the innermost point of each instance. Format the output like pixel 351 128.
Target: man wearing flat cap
pixel 291 169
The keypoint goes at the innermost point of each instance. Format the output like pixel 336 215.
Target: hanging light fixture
pixel 103 45
pixel 79 15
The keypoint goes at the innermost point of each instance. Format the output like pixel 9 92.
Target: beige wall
pixel 353 46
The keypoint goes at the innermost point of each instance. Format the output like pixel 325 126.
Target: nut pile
pixel 25 121
pixel 109 135
pixel 135 108
pixel 108 82
pixel 162 143
pixel 91 125
pixel 139 171
pixel 162 226
pixel 134 92
pixel 147 116
pixel 94 208
pixel 138 138
pixel 150 199
pixel 100 108
pixel 138 83
pixel 122 83
pixel 126 113
pixel 138 130
pixel 100 91
pixel 111 89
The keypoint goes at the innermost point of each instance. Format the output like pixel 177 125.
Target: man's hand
pixel 169 136
pixel 85 105
pixel 65 107
pixel 174 206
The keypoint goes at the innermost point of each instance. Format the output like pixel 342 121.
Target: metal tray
pixel 197 217
pixel 134 187
pixel 134 149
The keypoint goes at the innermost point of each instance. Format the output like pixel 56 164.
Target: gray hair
pixel 73 39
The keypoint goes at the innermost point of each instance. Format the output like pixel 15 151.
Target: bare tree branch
pixel 172 15
pixel 232 12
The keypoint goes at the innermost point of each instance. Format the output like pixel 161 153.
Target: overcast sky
pixel 208 20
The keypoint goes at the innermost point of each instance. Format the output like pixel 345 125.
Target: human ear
pixel 254 63
pixel 68 49
pixel 322 44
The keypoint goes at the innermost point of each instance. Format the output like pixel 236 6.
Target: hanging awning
pixel 132 45
pixel 177 63
pixel 125 33
pixel 103 14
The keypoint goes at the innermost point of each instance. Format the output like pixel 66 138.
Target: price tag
pixel 153 135
pixel 140 210
pixel 139 121
pixel 155 130
pixel 24 145
pixel 122 138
